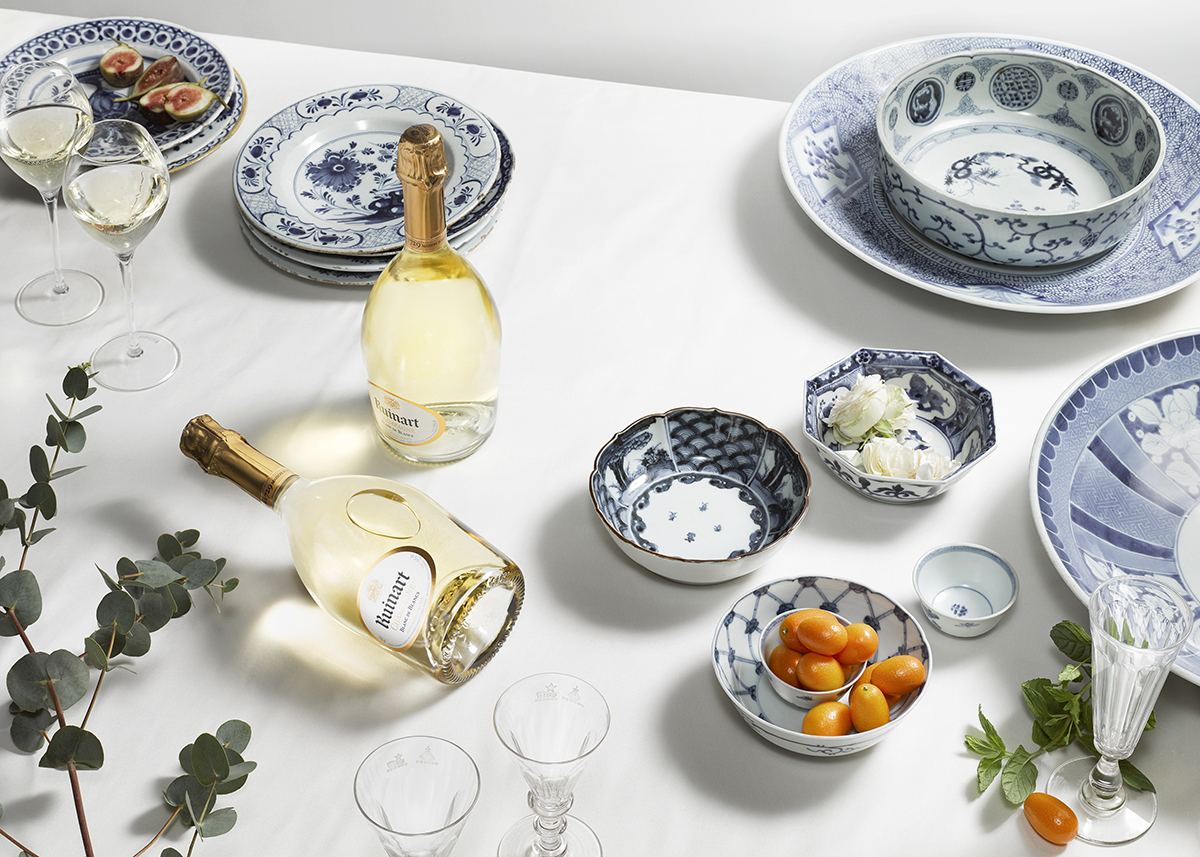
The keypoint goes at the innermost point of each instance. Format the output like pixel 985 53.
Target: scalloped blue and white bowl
pixel 737 659
pixel 699 495
pixel 1017 157
pixel 955 418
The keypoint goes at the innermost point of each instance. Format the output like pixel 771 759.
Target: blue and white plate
pixel 80 46
pixel 827 151
pixel 320 174
pixel 1115 475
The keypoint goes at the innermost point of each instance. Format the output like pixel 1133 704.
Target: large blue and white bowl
pixel 699 495
pixel 1115 475
pixel 737 658
pixel 1017 158
pixel 955 418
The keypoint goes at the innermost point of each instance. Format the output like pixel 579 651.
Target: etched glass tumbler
pixel 417 793
pixel 1138 626
pixel 551 723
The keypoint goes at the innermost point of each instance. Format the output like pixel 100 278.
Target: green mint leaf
pixel 1037 700
pixel 990 733
pixel 1070 673
pixel 1072 640
pixel 987 771
pixel 1134 778
pixel 1019 777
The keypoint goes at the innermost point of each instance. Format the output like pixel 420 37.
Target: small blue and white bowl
pixel 1016 157
pixel 699 495
pixel 799 696
pixel 737 658
pixel 955 418
pixel 965 589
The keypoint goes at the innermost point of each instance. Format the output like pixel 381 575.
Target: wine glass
pixel 44 118
pixel 1138 626
pixel 417 793
pixel 117 187
pixel 551 722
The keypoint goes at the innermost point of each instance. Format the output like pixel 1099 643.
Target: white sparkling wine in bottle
pixel 430 330
pixel 380 557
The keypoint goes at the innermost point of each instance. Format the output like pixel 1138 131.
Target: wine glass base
pixel 1112 827
pixel 40 303
pixel 116 370
pixel 520 840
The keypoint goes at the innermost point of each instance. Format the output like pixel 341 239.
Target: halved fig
pixel 186 102
pixel 154 104
pixel 121 66
pixel 162 71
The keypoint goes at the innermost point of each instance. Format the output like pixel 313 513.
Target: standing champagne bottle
pixel 380 557
pixel 430 330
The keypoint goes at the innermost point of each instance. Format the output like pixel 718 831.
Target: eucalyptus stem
pixel 158 835
pixel 18 844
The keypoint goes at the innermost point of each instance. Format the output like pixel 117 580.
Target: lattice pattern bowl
pixel 699 496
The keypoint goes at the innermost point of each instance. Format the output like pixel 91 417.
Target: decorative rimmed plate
pixel 80 46
pixel 320 174
pixel 1115 475
pixel 478 219
pixel 737 657
pixel 827 151
pixel 214 133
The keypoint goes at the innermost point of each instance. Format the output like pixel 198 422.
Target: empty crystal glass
pixel 1138 626
pixel 551 723
pixel 417 793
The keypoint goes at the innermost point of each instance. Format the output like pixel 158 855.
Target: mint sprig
pixel 1062 715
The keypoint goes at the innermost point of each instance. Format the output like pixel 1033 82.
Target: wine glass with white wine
pixel 117 187
pixel 44 118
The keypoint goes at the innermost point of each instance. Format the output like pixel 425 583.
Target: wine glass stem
pixel 1104 789
pixel 549 825
pixel 126 262
pixel 60 283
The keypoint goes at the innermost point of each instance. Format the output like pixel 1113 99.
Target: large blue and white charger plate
pixel 80 46
pixel 827 151
pixel 320 175
pixel 1115 475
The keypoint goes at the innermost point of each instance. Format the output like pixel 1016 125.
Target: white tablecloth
pixel 649 256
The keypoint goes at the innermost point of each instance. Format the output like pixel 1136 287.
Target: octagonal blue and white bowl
pixel 1017 157
pixel 955 417
pixel 737 658
pixel 699 495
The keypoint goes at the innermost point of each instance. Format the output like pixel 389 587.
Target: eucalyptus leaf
pixel 58 412
pixel 234 735
pixel 28 729
pixel 75 435
pixel 126 569
pixel 112 584
pixel 198 573
pixel 154 610
pixel 41 495
pixel 109 640
pixel 39 464
pixel 238 773
pixel 37 536
pixel 94 656
pixel 209 762
pixel 20 594
pixel 169 547
pixel 66 471
pixel 27 682
pixel 218 822
pixel 72 744
pixel 183 601
pixel 116 610
pixel 75 383
pixel 87 412
pixel 7 506
pixel 170 852
pixel 185 761
pixel 184 788
pixel 155 574
pixel 187 538
pixel 69 676
pixel 137 641
pixel 54 433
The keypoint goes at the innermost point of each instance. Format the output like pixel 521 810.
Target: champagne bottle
pixel 430 330
pixel 380 557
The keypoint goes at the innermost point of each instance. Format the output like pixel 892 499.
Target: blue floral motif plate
pixel 320 174
pixel 828 151
pixel 80 46
pixel 1115 475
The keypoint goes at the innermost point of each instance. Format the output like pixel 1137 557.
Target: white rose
pixel 868 408
pixel 886 456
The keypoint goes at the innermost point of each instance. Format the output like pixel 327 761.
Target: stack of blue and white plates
pixel 316 184
pixel 80 46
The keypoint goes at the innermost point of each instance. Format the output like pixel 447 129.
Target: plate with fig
pixel 119 59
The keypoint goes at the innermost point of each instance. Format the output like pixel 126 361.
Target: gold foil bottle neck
pixel 225 453
pixel 421 167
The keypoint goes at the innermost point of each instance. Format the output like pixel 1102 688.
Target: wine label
pixel 393 597
pixel 403 421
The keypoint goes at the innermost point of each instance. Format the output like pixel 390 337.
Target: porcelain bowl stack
pixel 80 46
pixel 316 184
